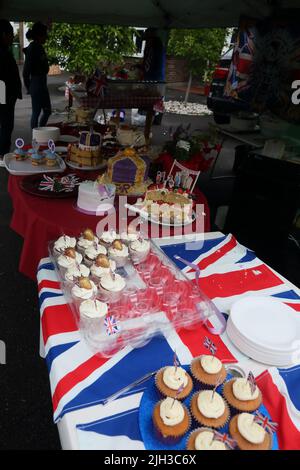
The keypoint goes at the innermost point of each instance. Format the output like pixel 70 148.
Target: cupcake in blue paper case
pixel 20 154
pixel 37 159
pixel 51 158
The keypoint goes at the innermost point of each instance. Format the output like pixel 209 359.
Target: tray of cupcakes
pixel 203 407
pixel 123 290
pixel 38 159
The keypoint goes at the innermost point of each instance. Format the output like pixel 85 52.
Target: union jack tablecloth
pixel 80 379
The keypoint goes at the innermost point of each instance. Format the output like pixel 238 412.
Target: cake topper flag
pixel 178 392
pixel 111 325
pixel 252 383
pixel 175 361
pixel 51 145
pixel 228 441
pixel 208 344
pixel 265 422
pixel 19 143
pixel 218 383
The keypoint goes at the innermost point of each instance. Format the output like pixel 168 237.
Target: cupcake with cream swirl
pixel 248 434
pixel 92 252
pixel 92 314
pixel 210 409
pixel 170 379
pixel 204 439
pixel 119 253
pixel 102 266
pixel 85 289
pixel 68 259
pixel 208 370
pixel 240 396
pixel 139 250
pixel 111 286
pixel 62 243
pixel 108 237
pixel 86 240
pixel 171 419
pixel 75 272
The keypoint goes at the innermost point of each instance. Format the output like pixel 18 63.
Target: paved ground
pixel 25 405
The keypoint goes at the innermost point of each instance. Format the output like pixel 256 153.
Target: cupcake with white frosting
pixel 248 434
pixel 68 259
pixel 62 243
pixel 111 286
pixel 208 371
pixel 102 266
pixel 75 272
pixel 170 379
pixel 171 419
pixel 129 237
pixel 240 396
pixel 139 250
pixel 92 314
pixel 85 289
pixel 210 409
pixel 86 240
pixel 108 237
pixel 92 252
pixel 119 253
pixel 204 439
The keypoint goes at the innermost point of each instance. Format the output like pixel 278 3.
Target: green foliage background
pixel 80 47
pixel 198 47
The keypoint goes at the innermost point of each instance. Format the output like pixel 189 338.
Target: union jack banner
pixel 266 423
pixel 252 382
pixel 111 325
pixel 65 184
pixel 97 83
pixel 210 345
pixel 231 443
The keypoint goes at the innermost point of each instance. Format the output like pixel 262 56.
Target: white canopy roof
pixel 160 13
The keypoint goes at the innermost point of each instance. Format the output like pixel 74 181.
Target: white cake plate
pixel 25 167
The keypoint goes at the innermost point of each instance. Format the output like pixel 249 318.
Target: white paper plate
pixel 266 322
pixel 70 139
pixel 24 167
pixel 76 166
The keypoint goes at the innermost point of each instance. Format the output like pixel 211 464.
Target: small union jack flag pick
pixel 178 393
pixel 231 443
pixel 175 361
pixel 111 325
pixel 208 344
pixel 265 422
pixel 252 382
pixel 219 382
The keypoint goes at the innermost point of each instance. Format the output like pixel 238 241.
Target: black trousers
pixel 7 117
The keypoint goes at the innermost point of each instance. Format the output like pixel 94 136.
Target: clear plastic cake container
pixel 158 299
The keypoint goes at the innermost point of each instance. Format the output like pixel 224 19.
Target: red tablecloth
pixel 40 220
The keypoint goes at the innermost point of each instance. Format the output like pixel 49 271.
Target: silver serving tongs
pixel 116 395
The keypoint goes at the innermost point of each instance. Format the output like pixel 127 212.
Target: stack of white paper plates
pixel 266 330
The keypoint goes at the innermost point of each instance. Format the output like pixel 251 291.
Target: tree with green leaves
pixel 81 47
pixel 200 47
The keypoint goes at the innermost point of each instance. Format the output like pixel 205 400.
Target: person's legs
pixel 7 116
pixel 36 109
pixel 46 106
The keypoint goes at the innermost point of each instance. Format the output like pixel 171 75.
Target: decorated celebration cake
pixel 128 171
pixel 87 152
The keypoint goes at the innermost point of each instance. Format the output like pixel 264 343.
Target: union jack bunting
pixel 266 423
pixel 210 345
pixel 228 441
pixel 111 325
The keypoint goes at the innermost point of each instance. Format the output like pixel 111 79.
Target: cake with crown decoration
pixel 128 170
pixel 88 151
